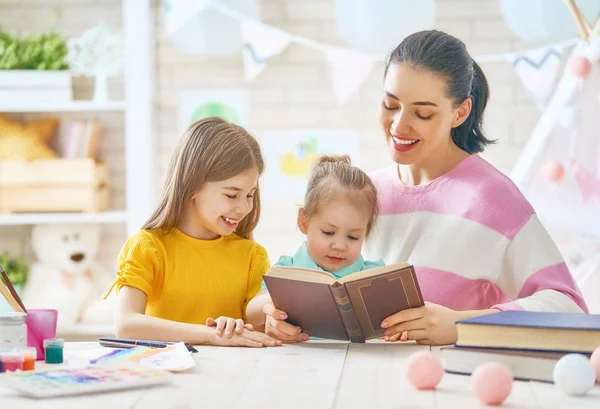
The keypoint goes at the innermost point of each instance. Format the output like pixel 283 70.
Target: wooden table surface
pixel 313 375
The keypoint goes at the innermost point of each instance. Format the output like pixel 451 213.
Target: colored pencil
pixel 12 290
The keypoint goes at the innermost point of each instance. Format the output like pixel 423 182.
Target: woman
pixel 475 241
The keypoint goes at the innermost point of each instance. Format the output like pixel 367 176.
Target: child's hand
pixel 228 325
pixel 276 326
pixel 247 338
pixel 431 324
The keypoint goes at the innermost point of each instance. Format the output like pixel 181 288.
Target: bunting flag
pixel 260 44
pixel 538 70
pixel 349 70
pixel 588 183
pixel 176 13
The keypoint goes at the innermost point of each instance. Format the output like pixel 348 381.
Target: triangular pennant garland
pixel 348 71
pixel 178 12
pixel 588 183
pixel 538 70
pixel 261 43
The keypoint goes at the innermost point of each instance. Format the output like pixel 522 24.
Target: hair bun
pixel 323 159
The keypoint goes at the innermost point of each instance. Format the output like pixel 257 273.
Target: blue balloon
pixel 378 26
pixel 213 33
pixel 545 20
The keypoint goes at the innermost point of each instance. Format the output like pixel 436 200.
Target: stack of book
pixel 81 140
pixel 527 343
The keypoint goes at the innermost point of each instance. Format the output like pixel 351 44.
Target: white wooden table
pixel 314 375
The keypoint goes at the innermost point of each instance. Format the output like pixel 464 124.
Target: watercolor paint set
pixel 47 383
pixel 17 359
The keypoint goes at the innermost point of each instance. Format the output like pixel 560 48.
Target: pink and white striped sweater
pixel 474 239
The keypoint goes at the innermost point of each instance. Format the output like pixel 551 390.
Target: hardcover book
pixel 543 331
pixel 523 364
pixel 351 308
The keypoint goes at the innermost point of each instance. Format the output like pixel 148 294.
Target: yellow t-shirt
pixel 189 280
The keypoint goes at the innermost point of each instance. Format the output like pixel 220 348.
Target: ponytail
pixel 469 135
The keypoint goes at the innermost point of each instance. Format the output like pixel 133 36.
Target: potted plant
pixel 17 271
pixel 34 69
pixel 98 53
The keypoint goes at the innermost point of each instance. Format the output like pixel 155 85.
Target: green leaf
pixel 16 268
pixel 44 52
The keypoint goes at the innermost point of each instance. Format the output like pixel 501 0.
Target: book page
pixel 302 274
pixel 373 272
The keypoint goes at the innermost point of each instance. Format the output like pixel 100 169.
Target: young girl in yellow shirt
pixel 190 272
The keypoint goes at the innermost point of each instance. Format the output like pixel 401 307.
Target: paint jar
pixel 54 350
pixel 13 331
pixel 13 361
pixel 29 358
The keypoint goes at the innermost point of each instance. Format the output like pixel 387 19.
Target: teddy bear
pixel 27 141
pixel 67 277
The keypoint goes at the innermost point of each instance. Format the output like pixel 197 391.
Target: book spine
pixel 347 313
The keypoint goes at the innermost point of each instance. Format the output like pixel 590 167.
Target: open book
pixel 351 308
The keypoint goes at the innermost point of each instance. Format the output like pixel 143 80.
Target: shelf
pixel 69 106
pixel 51 218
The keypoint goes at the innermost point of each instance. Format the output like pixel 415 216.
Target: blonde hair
pixel 210 150
pixel 332 175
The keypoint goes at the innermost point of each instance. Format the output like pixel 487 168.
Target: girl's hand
pixel 431 324
pixel 276 326
pixel 228 325
pixel 247 338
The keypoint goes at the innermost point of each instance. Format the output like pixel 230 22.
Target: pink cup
pixel 41 325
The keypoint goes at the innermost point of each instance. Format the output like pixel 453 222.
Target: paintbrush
pixel 8 290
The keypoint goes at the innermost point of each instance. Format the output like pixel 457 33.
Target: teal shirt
pixel 303 259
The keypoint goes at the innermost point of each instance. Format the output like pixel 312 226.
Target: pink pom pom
pixel 580 66
pixel 424 370
pixel 554 171
pixel 595 360
pixel 492 383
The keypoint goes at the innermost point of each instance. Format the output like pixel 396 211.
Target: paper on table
pixel 173 358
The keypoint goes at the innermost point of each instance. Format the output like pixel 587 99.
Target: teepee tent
pixel 559 169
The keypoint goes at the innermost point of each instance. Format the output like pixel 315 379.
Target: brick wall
pixel 294 92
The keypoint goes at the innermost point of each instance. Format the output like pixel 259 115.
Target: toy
pixel 424 370
pixel 574 374
pixel 595 360
pixel 66 276
pixel 492 383
pixel 27 141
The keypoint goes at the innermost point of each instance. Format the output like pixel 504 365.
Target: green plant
pixel 44 52
pixel 16 268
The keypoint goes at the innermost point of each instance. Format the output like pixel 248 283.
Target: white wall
pixel 293 92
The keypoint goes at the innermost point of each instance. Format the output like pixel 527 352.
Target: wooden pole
pixel 595 30
pixel 579 19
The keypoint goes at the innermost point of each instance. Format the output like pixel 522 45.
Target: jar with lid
pixel 13 330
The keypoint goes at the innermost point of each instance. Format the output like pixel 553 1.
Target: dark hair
pixel 446 56
pixel 335 174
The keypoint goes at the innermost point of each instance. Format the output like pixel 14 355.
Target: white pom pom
pixel 568 117
pixel 574 374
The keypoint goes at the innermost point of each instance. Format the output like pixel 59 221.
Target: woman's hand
pixel 238 334
pixel 276 326
pixel 431 324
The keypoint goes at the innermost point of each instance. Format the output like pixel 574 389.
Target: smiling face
pixel 417 116
pixel 217 208
pixel 335 234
